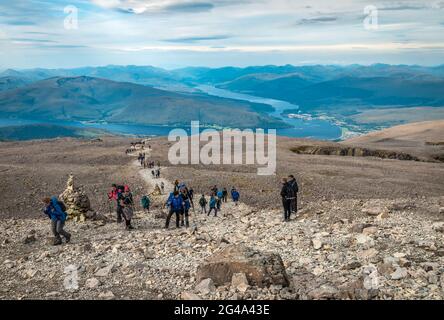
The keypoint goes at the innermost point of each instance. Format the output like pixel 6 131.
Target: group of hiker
pixel 179 202
pixel 124 204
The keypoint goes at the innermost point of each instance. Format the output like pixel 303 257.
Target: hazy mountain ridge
pixel 87 98
pixel 350 94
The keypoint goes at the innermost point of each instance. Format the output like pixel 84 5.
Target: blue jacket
pixel 177 203
pixel 170 197
pixel 220 194
pixel 54 211
pixel 235 195
pixel 212 202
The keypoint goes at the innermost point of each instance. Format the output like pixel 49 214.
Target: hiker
pixel 220 196
pixel 55 210
pixel 214 189
pixel 225 195
pixel 126 202
pixel 114 195
pixel 191 193
pixel 176 204
pixel 294 186
pixel 203 204
pixel 158 173
pixel 287 195
pixel 213 205
pixel 176 185
pixel 235 195
pixel 153 173
pixel 145 202
pixel 162 187
pixel 186 208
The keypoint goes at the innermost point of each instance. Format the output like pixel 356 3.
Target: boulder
pixel 239 281
pixel 108 295
pixel 324 292
pixel 261 269
pixel 317 243
pixel 206 286
pixel 92 283
pixel 400 273
pixel 104 272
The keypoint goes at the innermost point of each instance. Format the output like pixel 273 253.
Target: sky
pixel 179 33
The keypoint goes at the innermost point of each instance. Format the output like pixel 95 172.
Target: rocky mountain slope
pixel 419 138
pixel 367 228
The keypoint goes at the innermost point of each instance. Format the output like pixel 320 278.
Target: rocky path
pixel 352 249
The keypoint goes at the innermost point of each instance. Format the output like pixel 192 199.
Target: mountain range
pixel 149 95
pixel 84 98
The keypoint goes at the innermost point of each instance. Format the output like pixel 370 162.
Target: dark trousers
pixel 178 213
pixel 215 211
pixel 287 208
pixel 203 209
pixel 218 204
pixel 57 229
pixel 185 214
pixel 294 204
pixel 119 212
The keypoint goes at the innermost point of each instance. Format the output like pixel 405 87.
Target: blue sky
pixel 173 33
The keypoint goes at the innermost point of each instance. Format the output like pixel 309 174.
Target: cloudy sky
pixel 177 33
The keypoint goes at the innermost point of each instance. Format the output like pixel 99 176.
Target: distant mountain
pixel 374 85
pixel 144 75
pixel 46 131
pixel 12 82
pixel 87 98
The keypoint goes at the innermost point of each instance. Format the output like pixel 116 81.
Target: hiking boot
pixel 68 238
pixel 57 242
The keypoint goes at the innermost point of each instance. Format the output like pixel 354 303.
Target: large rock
pixel 78 206
pixel 206 286
pixel 261 269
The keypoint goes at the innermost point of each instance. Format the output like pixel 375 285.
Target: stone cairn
pixel 78 206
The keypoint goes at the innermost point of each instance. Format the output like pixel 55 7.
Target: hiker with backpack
pixel 294 186
pixel 176 205
pixel 235 195
pixel 186 208
pixel 203 204
pixel 213 205
pixel 287 195
pixel 225 195
pixel 176 185
pixel 114 194
pixel 220 196
pixel 127 204
pixel 56 211
pixel 145 202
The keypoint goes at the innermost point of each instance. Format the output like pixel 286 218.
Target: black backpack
pixel 62 206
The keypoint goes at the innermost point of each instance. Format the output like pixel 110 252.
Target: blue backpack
pixel 176 203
